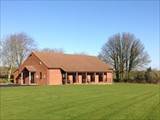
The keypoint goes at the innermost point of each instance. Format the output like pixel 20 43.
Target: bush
pixel 4 81
pixel 145 76
pixel 148 76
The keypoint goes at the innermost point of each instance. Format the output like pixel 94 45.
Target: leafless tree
pixel 81 53
pixel 125 53
pixel 52 50
pixel 15 48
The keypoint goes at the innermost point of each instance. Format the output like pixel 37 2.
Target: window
pixel 40 75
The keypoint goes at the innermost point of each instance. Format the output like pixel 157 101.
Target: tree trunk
pixel 117 76
pixel 9 72
pixel 128 75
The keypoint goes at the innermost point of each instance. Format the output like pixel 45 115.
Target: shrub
pixel 4 81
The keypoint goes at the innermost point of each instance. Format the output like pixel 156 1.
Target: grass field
pixel 81 102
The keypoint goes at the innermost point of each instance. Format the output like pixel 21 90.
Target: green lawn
pixel 81 102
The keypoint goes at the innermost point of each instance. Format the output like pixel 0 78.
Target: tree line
pixel 124 52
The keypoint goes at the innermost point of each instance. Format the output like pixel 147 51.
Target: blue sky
pixel 83 26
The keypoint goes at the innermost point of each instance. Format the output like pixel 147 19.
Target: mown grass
pixel 81 102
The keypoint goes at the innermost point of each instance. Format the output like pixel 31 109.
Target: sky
pixel 83 26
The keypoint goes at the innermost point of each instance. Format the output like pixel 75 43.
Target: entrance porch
pixel 27 76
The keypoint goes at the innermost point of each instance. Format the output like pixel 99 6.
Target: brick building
pixel 44 68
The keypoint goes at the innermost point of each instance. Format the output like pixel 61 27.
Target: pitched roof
pixel 70 63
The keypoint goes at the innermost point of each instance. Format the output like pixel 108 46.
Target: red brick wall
pixel 54 77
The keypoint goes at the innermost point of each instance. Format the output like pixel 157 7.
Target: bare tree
pixel 80 53
pixel 125 53
pixel 15 48
pixel 52 50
